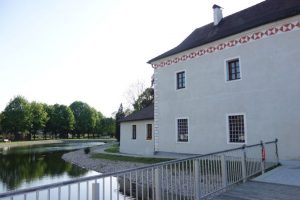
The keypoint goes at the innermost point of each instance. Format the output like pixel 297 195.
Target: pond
pixel 23 167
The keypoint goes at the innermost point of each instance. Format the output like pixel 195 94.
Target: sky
pixel 61 51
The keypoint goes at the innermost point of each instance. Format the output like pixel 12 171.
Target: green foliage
pixel 1 117
pixel 99 115
pixel 119 115
pixel 62 120
pixel 49 126
pixel 145 160
pixel 21 117
pixel 39 117
pixel 17 116
pixel 107 126
pixel 87 150
pixel 98 126
pixel 115 148
pixel 85 117
pixel 144 100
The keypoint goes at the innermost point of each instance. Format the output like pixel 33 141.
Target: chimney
pixel 217 14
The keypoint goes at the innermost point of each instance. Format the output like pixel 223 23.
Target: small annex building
pixel 137 132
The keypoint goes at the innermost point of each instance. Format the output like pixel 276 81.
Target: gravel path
pixel 184 186
pixel 99 165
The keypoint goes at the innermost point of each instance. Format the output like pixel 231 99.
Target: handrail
pixel 112 174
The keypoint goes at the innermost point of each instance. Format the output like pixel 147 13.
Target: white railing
pixel 190 178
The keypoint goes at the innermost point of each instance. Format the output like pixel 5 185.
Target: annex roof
pixel 265 12
pixel 144 114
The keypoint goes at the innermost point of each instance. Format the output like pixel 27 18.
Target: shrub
pixel 87 150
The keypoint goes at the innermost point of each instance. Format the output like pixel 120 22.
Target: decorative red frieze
pixel 221 46
pixel 242 40
pixel 258 35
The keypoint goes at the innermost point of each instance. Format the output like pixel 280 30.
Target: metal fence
pixel 187 179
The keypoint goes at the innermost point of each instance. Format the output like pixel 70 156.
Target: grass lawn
pixel 113 149
pixel 145 160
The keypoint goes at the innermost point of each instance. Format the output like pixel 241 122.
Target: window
pixel 180 80
pixel 182 130
pixel 134 132
pixel 149 131
pixel 233 70
pixel 236 129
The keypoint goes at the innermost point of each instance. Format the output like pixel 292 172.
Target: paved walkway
pixel 288 174
pixel 100 149
pixel 278 184
pixel 253 190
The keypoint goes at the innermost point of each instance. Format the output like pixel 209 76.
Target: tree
pixel 1 130
pixel 144 100
pixel 49 126
pixel 98 126
pixel 39 117
pixel 119 115
pixel 85 117
pixel 17 116
pixel 134 91
pixel 62 120
pixel 127 112
pixel 95 117
pixel 108 127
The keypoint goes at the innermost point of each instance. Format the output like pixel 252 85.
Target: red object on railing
pixel 263 153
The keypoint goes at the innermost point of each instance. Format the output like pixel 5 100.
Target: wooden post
pixel 244 160
pixel 157 185
pixel 197 179
pixel 95 191
pixel 224 171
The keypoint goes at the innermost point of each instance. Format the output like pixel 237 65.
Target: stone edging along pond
pixel 39 142
pixel 28 143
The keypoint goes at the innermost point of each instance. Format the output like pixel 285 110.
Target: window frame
pixel 177 79
pixel 228 130
pixel 147 132
pixel 133 132
pixel 227 71
pixel 188 130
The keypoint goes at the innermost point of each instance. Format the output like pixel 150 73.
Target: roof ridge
pixel 235 23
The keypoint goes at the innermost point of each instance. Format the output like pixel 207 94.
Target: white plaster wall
pixel 268 94
pixel 141 145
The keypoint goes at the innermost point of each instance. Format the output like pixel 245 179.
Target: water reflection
pixel 28 166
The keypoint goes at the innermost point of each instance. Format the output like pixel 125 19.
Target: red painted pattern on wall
pixel 241 40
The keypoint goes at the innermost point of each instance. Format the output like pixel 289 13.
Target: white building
pixel 136 132
pixel 232 82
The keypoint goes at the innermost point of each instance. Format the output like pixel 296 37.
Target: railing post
pixel 277 155
pixel 157 184
pixel 197 179
pixel 263 157
pixel 244 160
pixel 224 171
pixel 95 191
